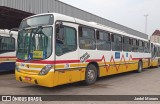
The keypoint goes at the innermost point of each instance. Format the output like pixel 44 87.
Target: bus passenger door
pixel 66 59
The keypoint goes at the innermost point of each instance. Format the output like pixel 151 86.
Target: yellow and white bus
pixel 155 54
pixel 54 49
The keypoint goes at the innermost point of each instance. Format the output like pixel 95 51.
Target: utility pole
pixel 146 15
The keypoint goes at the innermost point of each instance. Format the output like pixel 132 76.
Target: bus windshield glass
pixel 7 44
pixel 35 43
pixel 37 21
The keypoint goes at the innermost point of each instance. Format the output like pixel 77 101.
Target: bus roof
pixel 158 44
pixel 62 17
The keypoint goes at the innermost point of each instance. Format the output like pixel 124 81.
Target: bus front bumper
pixel 42 80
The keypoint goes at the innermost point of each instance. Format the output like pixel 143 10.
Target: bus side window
pixel 158 51
pixel 130 41
pixel 87 38
pixel 112 38
pixel 126 44
pixel 7 44
pixel 140 46
pixel 134 45
pixel 103 40
pixel 146 47
pixel 116 42
pixel 66 40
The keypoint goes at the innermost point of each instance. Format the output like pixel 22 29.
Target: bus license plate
pixel 28 78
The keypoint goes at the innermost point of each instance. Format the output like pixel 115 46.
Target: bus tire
pixel 91 74
pixel 140 67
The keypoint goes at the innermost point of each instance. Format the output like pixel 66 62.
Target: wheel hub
pixel 91 75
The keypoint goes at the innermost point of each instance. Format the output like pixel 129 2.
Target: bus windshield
pixel 7 44
pixel 37 21
pixel 34 43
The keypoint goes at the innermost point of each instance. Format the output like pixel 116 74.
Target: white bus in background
pixel 7 50
pixel 55 49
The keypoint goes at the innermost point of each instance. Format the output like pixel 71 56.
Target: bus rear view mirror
pixel 59 25
pixel 13 29
pixel 59 32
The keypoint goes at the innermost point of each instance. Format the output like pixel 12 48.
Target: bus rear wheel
pixel 91 74
pixel 140 67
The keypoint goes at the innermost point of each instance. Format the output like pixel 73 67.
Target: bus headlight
pixel 17 68
pixel 45 70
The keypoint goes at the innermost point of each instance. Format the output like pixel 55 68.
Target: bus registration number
pixel 28 78
pixel 38 54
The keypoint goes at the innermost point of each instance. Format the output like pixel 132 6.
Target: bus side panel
pixel 154 62
pixel 145 63
pixel 7 66
pixel 69 76
pixel 144 57
pixel 104 71
pixel 133 66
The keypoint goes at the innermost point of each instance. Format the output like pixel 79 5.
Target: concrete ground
pixel 145 83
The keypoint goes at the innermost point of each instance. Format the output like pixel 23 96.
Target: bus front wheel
pixel 91 74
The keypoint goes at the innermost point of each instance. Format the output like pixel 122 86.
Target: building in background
pixel 13 11
pixel 156 36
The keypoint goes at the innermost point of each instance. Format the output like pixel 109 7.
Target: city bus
pixel 155 54
pixel 55 49
pixel 7 50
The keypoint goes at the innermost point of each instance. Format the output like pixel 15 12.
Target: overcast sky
pixel 129 13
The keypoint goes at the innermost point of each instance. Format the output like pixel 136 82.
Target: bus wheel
pixel 140 67
pixel 91 74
